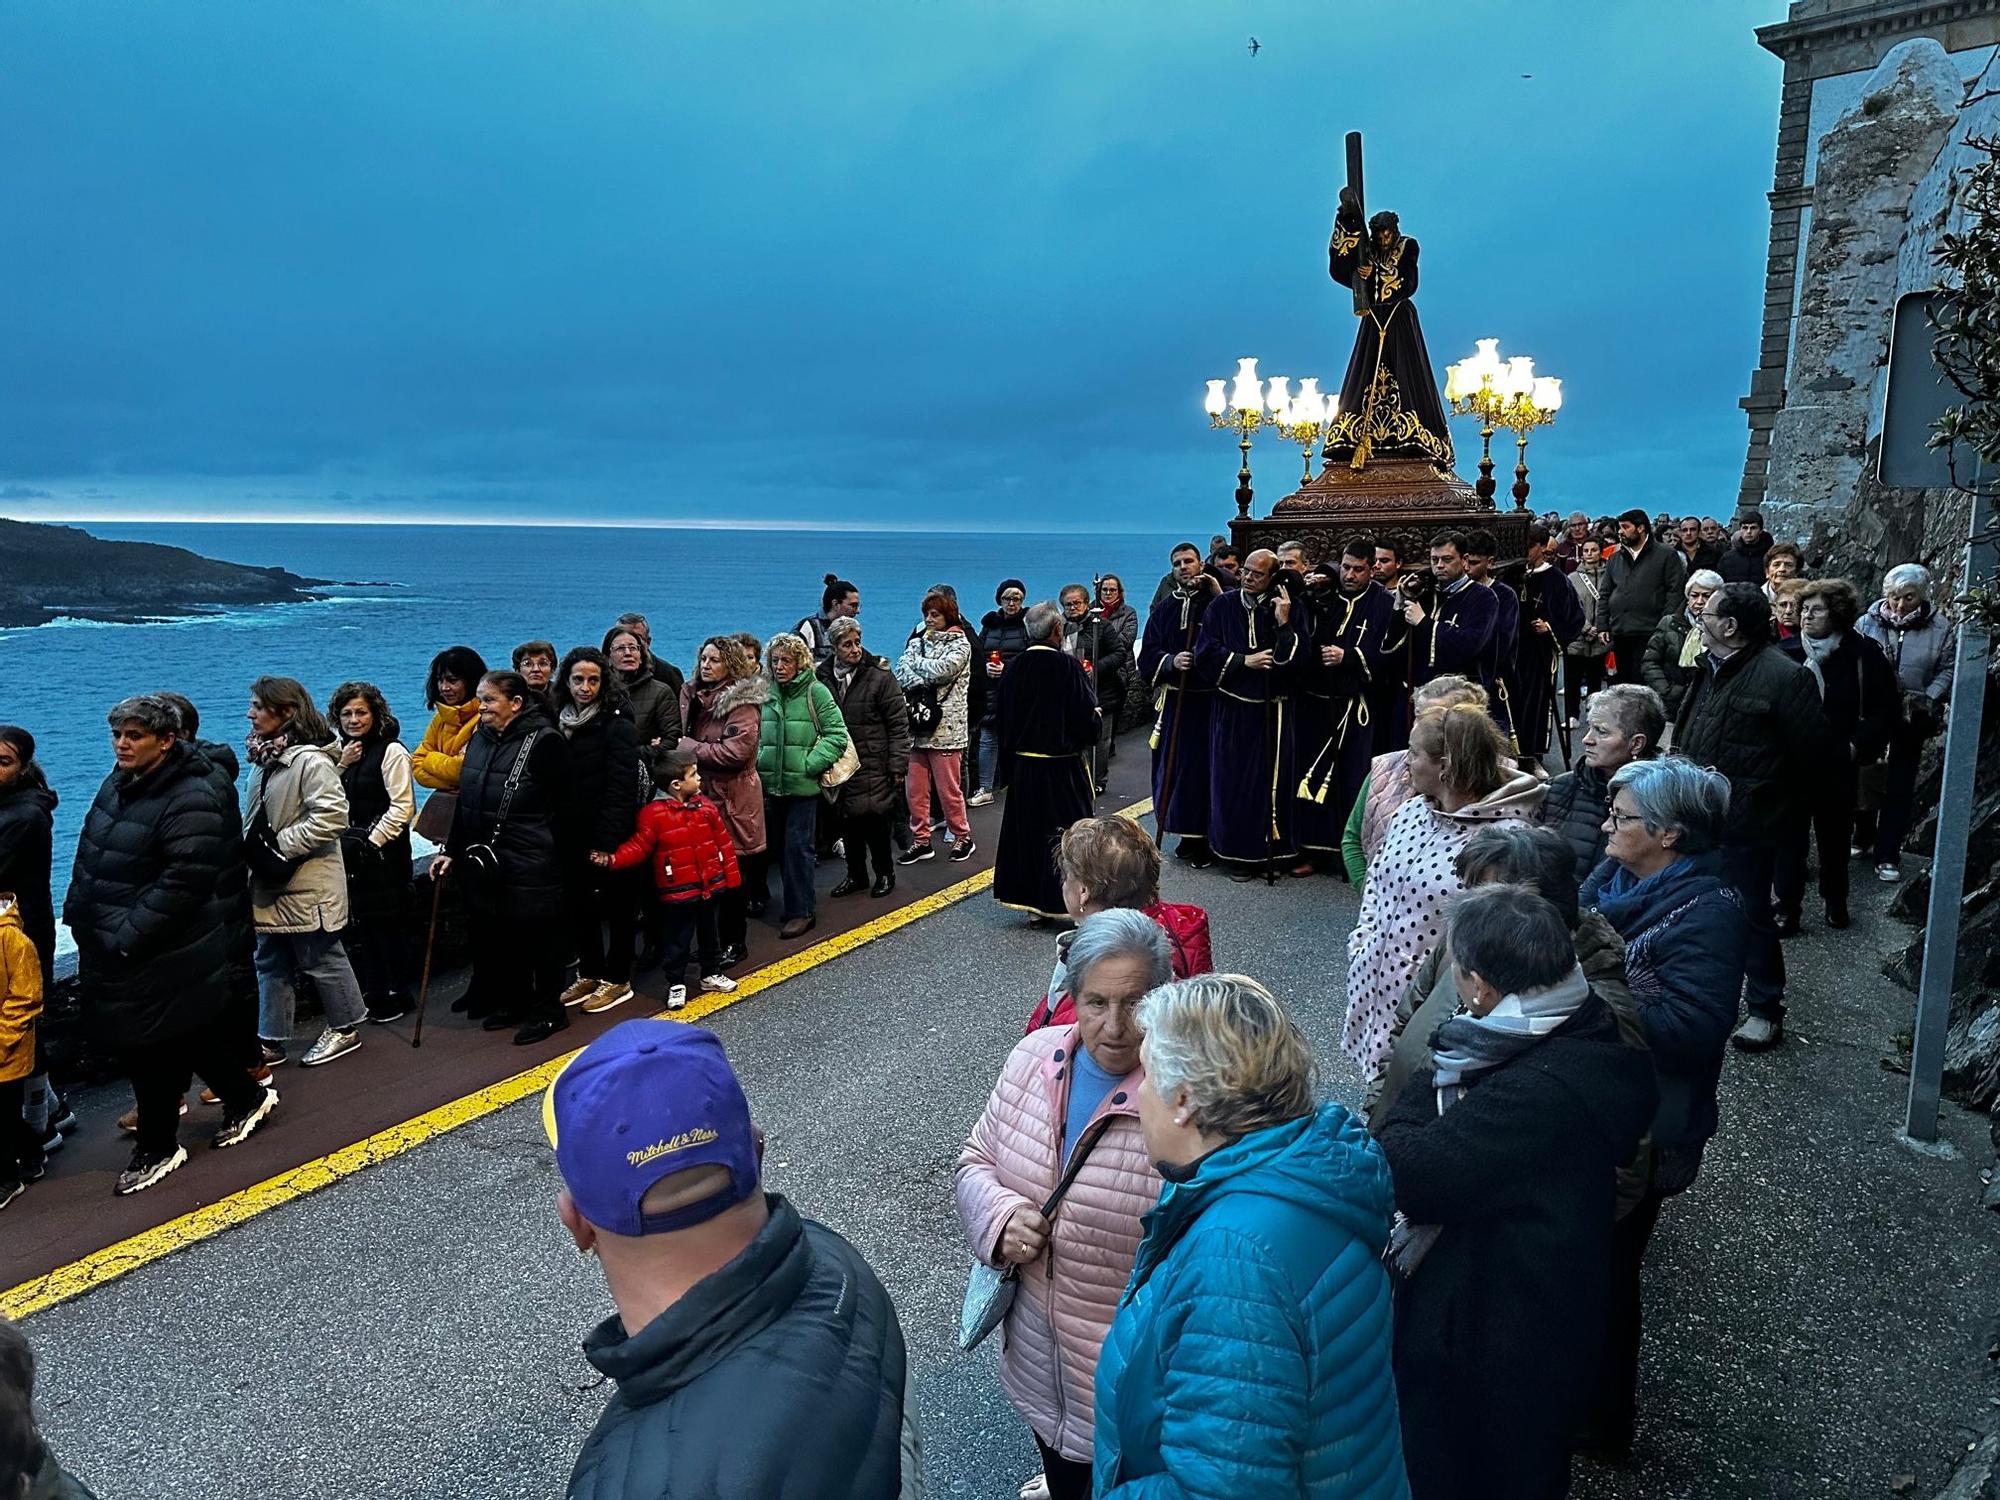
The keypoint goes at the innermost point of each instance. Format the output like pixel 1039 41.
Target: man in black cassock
pixel 1389 687
pixel 1503 655
pixel 1551 617
pixel 1453 630
pixel 1355 631
pixel 1180 734
pixel 1389 402
pixel 1046 717
pixel 1246 651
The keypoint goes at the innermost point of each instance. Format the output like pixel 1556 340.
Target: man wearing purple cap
pixel 755 1351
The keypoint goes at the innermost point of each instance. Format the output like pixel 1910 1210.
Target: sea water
pixel 405 592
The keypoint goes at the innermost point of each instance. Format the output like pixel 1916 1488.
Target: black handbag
pixel 271 865
pixel 482 860
pixel 926 713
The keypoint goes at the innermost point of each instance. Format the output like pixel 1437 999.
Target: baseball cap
pixel 648 1099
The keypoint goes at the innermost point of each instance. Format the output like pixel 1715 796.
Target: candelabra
pixel 1307 420
pixel 1472 388
pixel 1242 410
pixel 1502 393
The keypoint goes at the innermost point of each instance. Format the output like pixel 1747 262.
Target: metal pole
pixel 1954 830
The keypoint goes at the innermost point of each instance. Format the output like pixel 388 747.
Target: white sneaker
pixel 717 984
pixel 236 1132
pixel 980 798
pixel 331 1044
pixel 609 996
pixel 677 997
pixel 579 992
pixel 1888 874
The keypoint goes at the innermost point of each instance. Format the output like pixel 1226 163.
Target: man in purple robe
pixel 1502 655
pixel 1355 631
pixel 1246 650
pixel 1180 734
pixel 1452 629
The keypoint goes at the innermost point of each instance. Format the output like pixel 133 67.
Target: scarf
pixel 1467 1045
pixel 1818 649
pixel 1919 614
pixel 263 750
pixel 571 718
pixel 1691 643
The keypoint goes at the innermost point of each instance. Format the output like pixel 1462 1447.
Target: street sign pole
pixel 1954 829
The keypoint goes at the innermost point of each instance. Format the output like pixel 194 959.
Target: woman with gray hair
pixel 1046 716
pixel 1673 655
pixel 878 718
pixel 1922 645
pixel 1624 723
pixel 1504 1147
pixel 1067 1105
pixel 1250 1355
pixel 1685 939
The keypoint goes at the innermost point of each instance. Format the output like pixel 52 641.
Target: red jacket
pixel 1187 940
pixel 693 856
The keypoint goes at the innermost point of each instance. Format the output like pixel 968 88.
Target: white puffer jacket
pixel 307 806
pixel 939 659
pixel 1056 1327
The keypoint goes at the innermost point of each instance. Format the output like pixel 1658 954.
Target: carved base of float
pixel 1407 499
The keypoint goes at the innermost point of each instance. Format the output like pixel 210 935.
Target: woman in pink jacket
pixel 1068 1092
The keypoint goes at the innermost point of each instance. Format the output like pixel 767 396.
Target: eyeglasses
pixel 1620 819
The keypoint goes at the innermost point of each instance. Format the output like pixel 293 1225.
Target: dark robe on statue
pixel 1180 734
pixel 1389 403
pixel 1047 722
pixel 1456 636
pixel 1547 595
pixel 1252 771
pixel 1502 655
pixel 1333 764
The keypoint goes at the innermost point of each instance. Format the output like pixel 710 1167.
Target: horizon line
pixel 1052 528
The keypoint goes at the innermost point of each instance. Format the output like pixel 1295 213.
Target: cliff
pixel 51 571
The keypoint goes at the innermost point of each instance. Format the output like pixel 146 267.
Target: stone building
pixel 1879 98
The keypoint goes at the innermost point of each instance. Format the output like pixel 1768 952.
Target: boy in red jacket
pixel 693 860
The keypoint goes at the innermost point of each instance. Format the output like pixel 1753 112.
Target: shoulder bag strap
pixel 1069 1178
pixel 514 783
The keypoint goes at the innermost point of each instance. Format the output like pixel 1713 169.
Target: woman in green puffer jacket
pixel 801 736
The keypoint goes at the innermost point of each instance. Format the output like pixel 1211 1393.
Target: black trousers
pixel 1630 649
pixel 1581 674
pixel 867 836
pixel 378 945
pixel 1752 871
pixel 1882 830
pixel 1068 1479
pixel 1615 1407
pixel 20 1144
pixel 1831 822
pixel 160 1074
pixel 732 919
pixel 689 930
pixel 598 901
pixel 517 966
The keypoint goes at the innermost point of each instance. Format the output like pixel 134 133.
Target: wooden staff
pixel 430 943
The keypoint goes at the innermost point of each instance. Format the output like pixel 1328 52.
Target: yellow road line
pixel 107 1265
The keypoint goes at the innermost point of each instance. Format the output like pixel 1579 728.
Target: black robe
pixel 1501 655
pixel 1180 734
pixel 1333 762
pixel 1252 769
pixel 1046 716
pixel 1456 636
pixel 1389 402
pixel 1546 595
pixel 1389 688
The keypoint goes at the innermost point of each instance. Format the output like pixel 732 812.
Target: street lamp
pixel 1307 420
pixel 1473 387
pixel 1241 410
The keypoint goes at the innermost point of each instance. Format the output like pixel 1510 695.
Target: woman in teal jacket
pixel 802 735
pixel 1251 1352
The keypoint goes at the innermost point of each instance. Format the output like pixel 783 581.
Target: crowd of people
pixel 1207 1280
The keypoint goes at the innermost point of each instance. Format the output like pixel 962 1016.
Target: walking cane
pixel 430 943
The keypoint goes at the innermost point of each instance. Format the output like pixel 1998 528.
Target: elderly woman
pixel 448 693
pixel 1922 646
pixel 1047 718
pixel 656 711
pixel 1787 598
pixel 1623 723
pixel 1003 636
pixel 296 810
pixel 723 713
pixel 1108 863
pixel 1106 657
pixel 878 717
pixel 1685 939
pixel 506 839
pixel 375 848
pixel 1387 787
pixel 1463 780
pixel 1067 1105
pixel 1250 1354
pixel 601 807
pixel 1857 687
pixel 1116 611
pixel 935 668
pixel 801 736
pixel 1504 1147
pixel 1584 657
pixel 1673 655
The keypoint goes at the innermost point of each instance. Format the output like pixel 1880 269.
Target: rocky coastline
pixel 50 572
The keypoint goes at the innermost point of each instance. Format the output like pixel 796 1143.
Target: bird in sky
pixel 1255 46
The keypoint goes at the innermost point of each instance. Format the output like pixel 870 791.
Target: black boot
pixel 883 885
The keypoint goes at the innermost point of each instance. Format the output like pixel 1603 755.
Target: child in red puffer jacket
pixel 693 861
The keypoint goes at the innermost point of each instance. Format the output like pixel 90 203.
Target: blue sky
pixel 925 263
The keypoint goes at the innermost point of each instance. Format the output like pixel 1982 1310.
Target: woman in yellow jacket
pixel 20 1003
pixel 450 691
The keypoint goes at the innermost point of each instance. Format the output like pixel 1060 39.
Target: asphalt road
pixel 1817 1300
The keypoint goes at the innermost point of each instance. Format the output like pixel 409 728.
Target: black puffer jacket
pixel 144 903
pixel 532 841
pixel 1101 643
pixel 27 817
pixel 1662 667
pixel 1009 637
pixel 234 889
pixel 1575 805
pixel 781 1376
pixel 1741 564
pixel 878 722
pixel 601 797
pixel 655 710
pixel 1863 703
pixel 1757 719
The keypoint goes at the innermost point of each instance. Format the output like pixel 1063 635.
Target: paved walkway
pixel 1818 1301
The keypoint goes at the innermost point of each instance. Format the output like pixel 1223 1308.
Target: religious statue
pixel 1389 401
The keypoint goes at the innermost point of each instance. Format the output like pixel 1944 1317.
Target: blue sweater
pixel 1251 1351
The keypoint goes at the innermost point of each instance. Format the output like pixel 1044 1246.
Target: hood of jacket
pixel 1916 620
pixel 31 796
pixel 10 915
pixel 1516 797
pixel 1632 905
pixel 1323 1163
pixel 754 690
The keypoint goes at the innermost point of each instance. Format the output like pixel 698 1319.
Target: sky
pixel 930 264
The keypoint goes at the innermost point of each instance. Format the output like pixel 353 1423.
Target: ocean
pixel 412 590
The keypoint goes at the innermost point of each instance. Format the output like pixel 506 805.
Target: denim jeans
pixel 281 958
pixel 989 759
pixel 797 818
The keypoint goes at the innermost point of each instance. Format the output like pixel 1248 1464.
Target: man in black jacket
pixel 1642 582
pixel 149 909
pixel 755 1352
pixel 1755 715
pixel 1743 562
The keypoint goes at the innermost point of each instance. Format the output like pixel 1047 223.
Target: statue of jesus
pixel 1389 401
